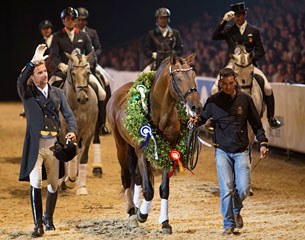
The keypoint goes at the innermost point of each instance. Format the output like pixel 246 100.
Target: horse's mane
pixel 167 60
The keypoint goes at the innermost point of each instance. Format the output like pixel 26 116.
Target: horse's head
pixel 79 73
pixel 181 82
pixel 243 66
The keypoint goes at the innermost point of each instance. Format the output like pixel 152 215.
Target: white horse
pixel 83 101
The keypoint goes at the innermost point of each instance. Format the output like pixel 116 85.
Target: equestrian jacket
pixel 92 33
pixel 42 114
pixel 164 46
pixel 251 39
pixel 230 115
pixel 61 43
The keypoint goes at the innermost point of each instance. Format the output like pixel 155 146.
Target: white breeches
pixel 51 164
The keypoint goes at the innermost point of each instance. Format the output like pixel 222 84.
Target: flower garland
pixel 136 118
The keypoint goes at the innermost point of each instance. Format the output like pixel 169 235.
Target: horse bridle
pixel 81 88
pixel 182 97
pixel 192 141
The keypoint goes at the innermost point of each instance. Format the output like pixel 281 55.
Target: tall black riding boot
pixel 273 121
pixel 104 129
pixel 36 203
pixel 50 208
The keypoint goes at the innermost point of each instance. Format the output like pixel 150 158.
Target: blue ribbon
pixel 146 132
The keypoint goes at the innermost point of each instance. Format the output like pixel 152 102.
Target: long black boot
pixel 50 208
pixel 104 129
pixel 273 121
pixel 36 203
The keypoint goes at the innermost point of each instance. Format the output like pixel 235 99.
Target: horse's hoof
pixel 82 191
pixel 251 192
pixel 166 228
pixel 70 183
pixel 142 218
pixel 97 172
pixel 132 221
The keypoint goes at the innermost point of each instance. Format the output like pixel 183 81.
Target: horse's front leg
pixel 148 191
pixel 82 168
pixel 164 194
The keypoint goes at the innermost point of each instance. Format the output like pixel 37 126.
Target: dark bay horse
pixel 174 81
pixel 83 101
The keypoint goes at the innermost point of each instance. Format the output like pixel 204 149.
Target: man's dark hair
pixel 226 72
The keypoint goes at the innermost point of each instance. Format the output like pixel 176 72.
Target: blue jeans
pixel 233 170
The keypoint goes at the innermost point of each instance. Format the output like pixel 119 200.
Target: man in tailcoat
pixel 42 104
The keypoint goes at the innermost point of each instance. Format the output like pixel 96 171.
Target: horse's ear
pixel 68 55
pixel 89 56
pixel 232 56
pixel 173 59
pixel 190 58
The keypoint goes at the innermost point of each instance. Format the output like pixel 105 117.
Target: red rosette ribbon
pixel 176 157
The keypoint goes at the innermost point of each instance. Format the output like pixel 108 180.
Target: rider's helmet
pixel 82 13
pixel 45 24
pixel 69 11
pixel 162 12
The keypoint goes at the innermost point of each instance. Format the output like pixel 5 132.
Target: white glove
pixel 38 56
pixel 154 55
pixel 229 16
pixel 63 67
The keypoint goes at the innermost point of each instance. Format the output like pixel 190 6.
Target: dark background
pixel 116 21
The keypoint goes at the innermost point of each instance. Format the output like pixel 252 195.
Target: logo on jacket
pixel 250 38
pixel 239 110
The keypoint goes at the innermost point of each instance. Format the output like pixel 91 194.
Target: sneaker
pixel 239 223
pixel 228 231
pixel 274 122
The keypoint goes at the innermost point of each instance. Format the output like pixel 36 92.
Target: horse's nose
pixel 197 109
pixel 82 100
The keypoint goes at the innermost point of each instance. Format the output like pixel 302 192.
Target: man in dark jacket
pixel 42 104
pixel 245 34
pixel 231 110
pixel 163 40
pixel 65 41
pixel 82 25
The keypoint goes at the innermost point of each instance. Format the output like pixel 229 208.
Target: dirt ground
pixel 276 211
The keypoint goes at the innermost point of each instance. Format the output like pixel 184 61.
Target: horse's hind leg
pixel 97 156
pixel 137 188
pixel 148 191
pixel 164 193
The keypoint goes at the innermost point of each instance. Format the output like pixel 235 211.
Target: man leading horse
pixel 249 36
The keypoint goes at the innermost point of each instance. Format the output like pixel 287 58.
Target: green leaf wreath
pixel 136 118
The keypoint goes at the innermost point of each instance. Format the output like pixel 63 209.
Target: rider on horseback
pixel 82 25
pixel 65 41
pixel 244 33
pixel 162 40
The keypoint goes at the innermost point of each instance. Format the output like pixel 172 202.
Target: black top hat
pixel 64 152
pixel 238 7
